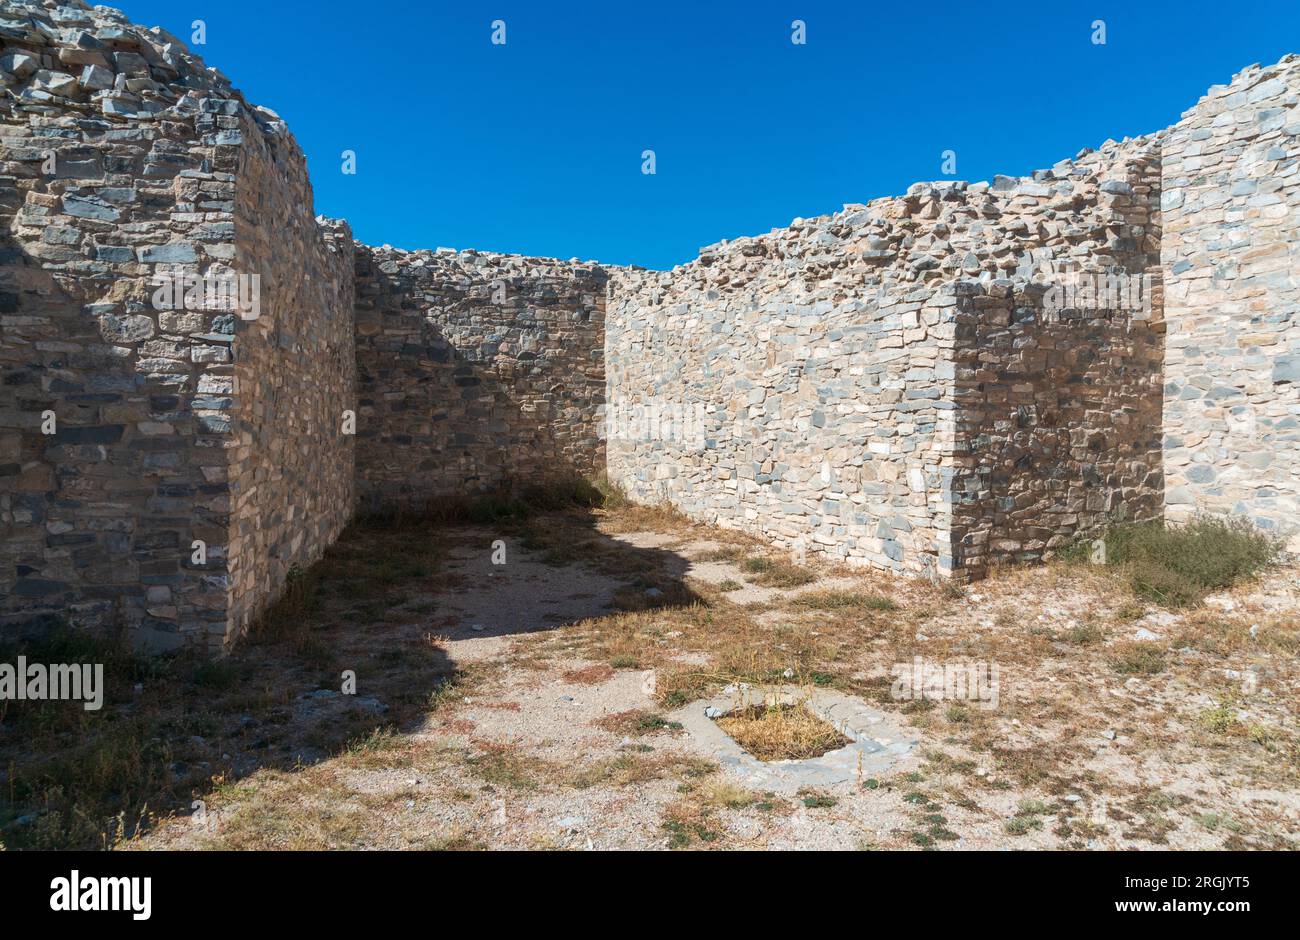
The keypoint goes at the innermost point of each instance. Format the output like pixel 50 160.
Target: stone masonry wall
pixel 1058 393
pixel 884 386
pixel 1231 254
pixel 475 371
pixel 790 385
pixel 965 375
pixel 98 517
pixel 120 165
pixel 291 466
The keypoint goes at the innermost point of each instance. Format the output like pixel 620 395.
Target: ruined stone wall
pixel 1058 358
pixel 885 385
pixel 120 163
pixel 793 385
pixel 475 371
pixel 1231 257
pixel 291 464
pixel 934 383
pixel 98 517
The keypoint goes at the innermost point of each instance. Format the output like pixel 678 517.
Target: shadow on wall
pixel 1064 435
pixel 462 390
pixel 384 605
pixel 98 517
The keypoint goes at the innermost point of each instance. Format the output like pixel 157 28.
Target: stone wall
pixel 291 460
pixel 98 517
pixel 126 166
pixel 475 372
pixel 1231 254
pixel 1058 389
pixel 961 376
pixel 885 386
pixel 788 385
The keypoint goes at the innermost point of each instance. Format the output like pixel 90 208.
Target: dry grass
pixel 626 770
pixel 1137 658
pixel 509 766
pixel 636 721
pixel 844 600
pixel 696 820
pixel 1173 707
pixel 173 724
pixel 589 675
pixel 781 732
pixel 776 572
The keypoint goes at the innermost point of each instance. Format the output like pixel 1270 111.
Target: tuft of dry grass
pixel 725 553
pixel 781 732
pixel 629 769
pixel 723 794
pixel 692 821
pixel 636 721
pixel 844 600
pixel 773 572
pixel 1137 658
pixel 509 767
pixel 589 675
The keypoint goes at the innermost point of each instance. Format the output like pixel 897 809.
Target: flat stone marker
pixel 877 741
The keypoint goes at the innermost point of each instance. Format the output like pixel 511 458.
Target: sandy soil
pixel 1117 725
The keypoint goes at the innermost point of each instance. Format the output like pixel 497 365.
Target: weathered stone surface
pixel 887 386
pixel 476 371
pixel 159 441
pixel 1232 302
pixel 964 375
pixel 126 329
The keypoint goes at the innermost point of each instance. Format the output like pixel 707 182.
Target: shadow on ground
pixel 381 607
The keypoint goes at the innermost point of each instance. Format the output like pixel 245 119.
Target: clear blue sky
pixel 535 147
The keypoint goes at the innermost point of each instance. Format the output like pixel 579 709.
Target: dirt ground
pixel 522 704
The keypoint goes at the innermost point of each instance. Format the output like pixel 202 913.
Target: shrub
pixel 1177 565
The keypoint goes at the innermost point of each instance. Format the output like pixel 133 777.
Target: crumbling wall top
pixel 61 55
